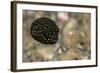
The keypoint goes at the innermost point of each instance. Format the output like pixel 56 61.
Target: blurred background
pixel 74 37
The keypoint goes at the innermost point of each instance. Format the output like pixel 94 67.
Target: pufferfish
pixel 44 30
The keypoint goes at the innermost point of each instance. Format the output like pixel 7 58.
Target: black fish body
pixel 44 30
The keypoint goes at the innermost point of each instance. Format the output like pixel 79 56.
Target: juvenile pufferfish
pixel 44 30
